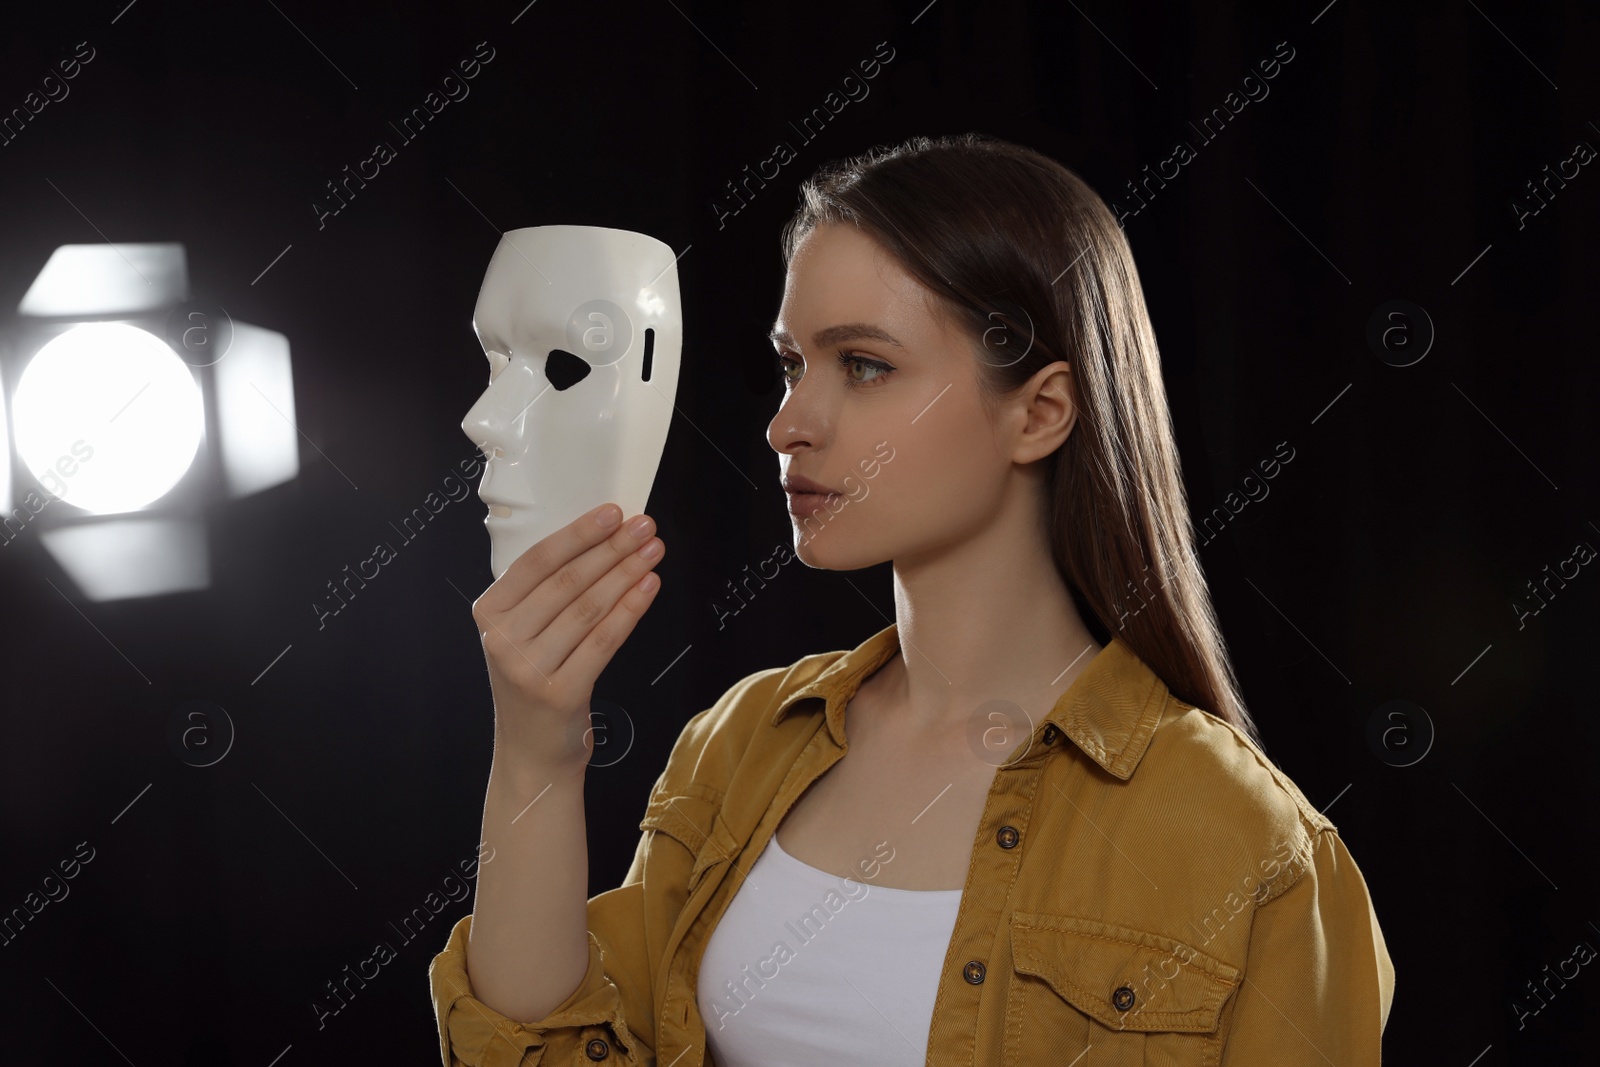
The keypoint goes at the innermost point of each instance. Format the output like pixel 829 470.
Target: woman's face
pixel 898 430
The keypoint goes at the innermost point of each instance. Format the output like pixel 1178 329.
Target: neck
pixel 989 619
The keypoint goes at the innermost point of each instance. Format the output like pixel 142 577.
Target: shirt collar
pixel 1110 710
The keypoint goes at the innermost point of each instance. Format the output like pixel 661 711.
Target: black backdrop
pixel 1385 162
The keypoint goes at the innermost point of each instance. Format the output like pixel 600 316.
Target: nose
pixel 802 421
pixel 492 423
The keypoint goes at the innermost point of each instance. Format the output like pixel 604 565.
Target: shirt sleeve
pixel 613 996
pixel 1318 980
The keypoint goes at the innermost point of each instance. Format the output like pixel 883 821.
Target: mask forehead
pixel 587 289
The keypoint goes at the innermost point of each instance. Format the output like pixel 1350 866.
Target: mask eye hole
pixel 565 369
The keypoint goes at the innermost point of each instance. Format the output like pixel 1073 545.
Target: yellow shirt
pixel 1144 882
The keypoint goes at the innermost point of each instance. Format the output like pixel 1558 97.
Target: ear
pixel 1049 412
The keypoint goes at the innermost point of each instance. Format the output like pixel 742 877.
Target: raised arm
pixel 549 625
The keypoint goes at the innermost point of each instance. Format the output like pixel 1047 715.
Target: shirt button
pixel 1007 837
pixel 1050 734
pixel 973 972
pixel 597 1049
pixel 1123 998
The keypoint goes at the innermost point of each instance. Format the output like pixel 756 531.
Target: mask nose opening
pixel 649 351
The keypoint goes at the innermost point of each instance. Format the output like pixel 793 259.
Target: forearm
pixel 529 946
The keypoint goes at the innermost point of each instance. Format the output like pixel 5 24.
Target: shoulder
pixel 1234 794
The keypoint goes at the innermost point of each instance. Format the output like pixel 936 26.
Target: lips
pixel 498 509
pixel 806 503
pixel 797 484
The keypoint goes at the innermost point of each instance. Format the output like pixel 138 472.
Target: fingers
pixel 587 634
pixel 572 593
pixel 531 568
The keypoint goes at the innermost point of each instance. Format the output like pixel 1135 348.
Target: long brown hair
pixel 1032 263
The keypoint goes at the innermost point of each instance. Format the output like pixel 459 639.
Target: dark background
pixel 1383 564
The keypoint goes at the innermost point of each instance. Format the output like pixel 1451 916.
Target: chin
pixel 828 551
pixel 509 537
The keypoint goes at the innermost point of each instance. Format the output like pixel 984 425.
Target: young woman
pixel 1057 838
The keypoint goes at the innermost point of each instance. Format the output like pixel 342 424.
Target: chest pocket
pixel 1119 996
pixel 692 817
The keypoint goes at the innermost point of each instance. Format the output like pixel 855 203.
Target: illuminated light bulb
pixel 107 417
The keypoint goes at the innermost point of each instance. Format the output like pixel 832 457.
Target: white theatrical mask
pixel 583 329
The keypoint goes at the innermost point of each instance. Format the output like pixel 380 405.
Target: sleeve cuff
pixel 472 1034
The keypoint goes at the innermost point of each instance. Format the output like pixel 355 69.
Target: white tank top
pixel 806 967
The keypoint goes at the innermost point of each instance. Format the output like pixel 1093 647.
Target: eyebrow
pixel 833 335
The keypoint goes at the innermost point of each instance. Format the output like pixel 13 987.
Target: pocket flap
pixel 1124 978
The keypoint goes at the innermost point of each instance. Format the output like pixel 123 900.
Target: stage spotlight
pixel 134 409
